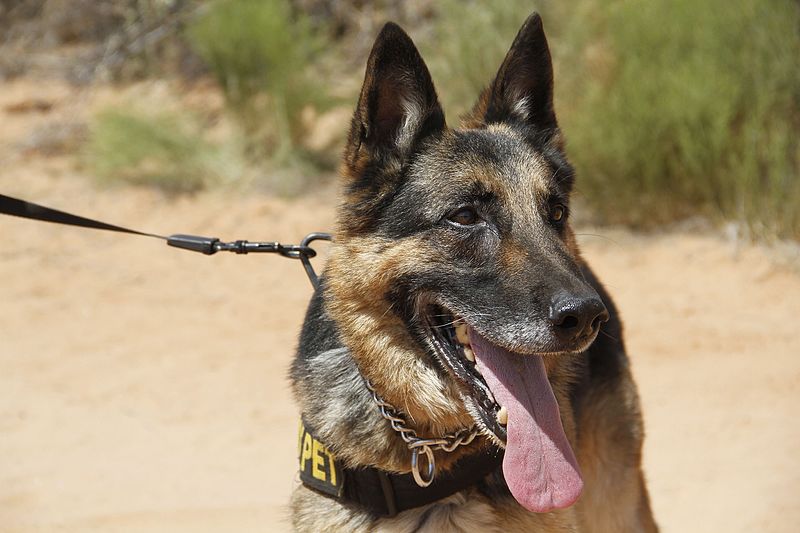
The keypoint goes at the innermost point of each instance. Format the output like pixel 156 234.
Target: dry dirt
pixel 144 388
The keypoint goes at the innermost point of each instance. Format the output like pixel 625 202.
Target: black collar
pixel 383 493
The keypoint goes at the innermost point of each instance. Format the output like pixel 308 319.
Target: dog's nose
pixel 575 317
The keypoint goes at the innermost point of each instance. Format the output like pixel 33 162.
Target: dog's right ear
pixel 398 106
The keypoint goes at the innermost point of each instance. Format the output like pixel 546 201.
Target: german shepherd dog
pixel 455 307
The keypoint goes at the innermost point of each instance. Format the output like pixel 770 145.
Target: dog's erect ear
pixel 398 104
pixel 522 91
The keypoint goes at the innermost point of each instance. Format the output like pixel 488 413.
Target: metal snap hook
pixel 428 479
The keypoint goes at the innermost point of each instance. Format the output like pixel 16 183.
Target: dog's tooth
pixel 469 354
pixel 502 416
pixel 461 334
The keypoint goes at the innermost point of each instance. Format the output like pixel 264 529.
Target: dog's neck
pixel 344 416
pixel 335 401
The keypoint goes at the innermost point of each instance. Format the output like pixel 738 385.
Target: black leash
pixel 205 245
pixel 21 208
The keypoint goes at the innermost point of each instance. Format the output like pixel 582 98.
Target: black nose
pixel 575 318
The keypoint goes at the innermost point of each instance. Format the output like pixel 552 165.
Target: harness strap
pixel 382 493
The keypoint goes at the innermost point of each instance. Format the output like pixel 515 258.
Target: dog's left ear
pixel 522 91
pixel 398 105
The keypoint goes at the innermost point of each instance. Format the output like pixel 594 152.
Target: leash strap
pixel 21 208
pixel 195 243
pixel 383 493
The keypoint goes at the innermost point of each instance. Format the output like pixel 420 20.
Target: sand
pixel 144 388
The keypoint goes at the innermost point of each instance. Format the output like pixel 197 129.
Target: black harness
pixel 383 493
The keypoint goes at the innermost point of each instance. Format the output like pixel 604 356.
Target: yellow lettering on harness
pixel 318 467
pixel 317 461
pixel 331 466
pixel 306 454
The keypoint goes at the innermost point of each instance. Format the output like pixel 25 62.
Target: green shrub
pixel 673 108
pixel 165 150
pixel 261 53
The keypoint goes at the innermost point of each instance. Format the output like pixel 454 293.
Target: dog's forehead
pixel 497 158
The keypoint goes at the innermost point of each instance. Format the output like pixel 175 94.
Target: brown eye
pixel 464 216
pixel 557 213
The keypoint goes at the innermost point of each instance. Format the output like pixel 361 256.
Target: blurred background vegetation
pixel 672 109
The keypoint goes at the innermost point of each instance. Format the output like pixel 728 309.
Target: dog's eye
pixel 557 213
pixel 464 216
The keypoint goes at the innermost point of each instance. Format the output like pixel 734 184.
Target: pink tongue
pixel 539 465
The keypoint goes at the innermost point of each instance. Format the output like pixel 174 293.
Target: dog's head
pixel 455 279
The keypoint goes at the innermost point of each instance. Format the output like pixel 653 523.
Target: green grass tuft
pixel 164 150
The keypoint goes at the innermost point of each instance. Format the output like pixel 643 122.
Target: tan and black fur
pixel 400 247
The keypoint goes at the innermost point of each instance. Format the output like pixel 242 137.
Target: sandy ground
pixel 144 388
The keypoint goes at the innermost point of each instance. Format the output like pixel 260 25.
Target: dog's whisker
pixel 408 412
pixel 604 237
pixel 391 306
pixel 451 323
pixel 609 336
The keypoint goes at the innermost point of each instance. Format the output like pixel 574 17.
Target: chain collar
pixel 418 445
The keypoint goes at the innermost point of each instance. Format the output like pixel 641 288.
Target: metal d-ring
pixel 428 479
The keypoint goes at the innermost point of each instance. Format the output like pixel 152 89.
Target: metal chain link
pixel 416 444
